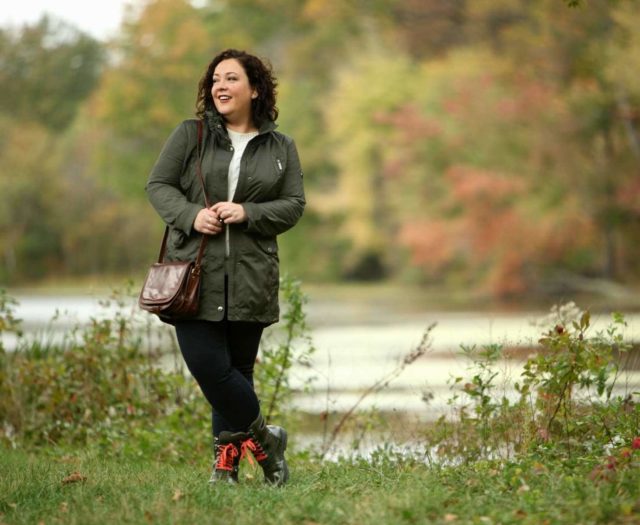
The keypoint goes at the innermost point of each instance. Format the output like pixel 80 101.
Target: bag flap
pixel 164 281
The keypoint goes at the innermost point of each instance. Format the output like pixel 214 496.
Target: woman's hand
pixel 229 212
pixel 207 222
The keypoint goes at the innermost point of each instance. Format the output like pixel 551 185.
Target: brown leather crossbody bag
pixel 171 290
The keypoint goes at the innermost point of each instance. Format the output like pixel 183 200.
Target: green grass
pixel 381 490
pixel 134 437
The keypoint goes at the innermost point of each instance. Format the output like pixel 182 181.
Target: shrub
pixel 95 386
pixel 566 402
pixel 103 385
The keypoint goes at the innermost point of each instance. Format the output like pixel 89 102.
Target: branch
pixel 382 383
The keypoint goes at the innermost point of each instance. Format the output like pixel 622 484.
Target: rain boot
pixel 268 443
pixel 227 457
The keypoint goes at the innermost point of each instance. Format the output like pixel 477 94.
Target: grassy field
pixel 91 433
pixel 87 489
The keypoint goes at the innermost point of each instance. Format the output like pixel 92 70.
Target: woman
pixel 254 182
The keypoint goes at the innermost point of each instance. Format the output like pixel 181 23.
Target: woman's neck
pixel 241 127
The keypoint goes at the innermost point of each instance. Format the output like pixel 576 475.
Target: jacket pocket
pixel 256 279
pixel 176 238
pixel 279 165
pixel 268 246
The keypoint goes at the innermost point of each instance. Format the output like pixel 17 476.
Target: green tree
pixel 47 70
pixel 161 54
pixel 29 191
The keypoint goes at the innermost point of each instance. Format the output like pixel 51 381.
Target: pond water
pixel 360 341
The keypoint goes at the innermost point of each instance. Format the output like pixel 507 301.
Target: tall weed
pixel 288 346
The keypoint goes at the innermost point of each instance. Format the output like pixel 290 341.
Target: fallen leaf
pixel 74 477
pixel 539 468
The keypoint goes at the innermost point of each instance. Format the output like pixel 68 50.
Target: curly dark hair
pixel 261 78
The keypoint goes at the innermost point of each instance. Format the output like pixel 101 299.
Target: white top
pixel 239 142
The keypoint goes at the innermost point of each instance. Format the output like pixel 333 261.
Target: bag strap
pixel 199 165
pixel 203 240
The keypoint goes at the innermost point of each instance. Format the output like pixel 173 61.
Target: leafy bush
pixel 565 402
pixel 103 385
pixel 290 345
pixel 571 383
pixel 95 387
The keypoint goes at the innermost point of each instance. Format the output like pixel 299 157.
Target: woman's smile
pixel 232 92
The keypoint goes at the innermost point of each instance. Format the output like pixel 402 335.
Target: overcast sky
pixel 100 19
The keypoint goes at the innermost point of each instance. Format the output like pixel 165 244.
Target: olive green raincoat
pixel 269 188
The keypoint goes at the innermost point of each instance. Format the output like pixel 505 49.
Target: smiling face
pixel 232 93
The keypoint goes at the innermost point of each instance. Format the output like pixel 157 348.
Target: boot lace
pixel 226 454
pixel 256 449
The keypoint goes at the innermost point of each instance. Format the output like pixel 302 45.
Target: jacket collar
pixel 216 124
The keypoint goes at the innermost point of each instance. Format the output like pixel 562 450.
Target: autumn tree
pixel 491 144
pixel 150 88
pixel 470 151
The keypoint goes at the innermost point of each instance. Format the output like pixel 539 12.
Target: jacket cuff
pixel 185 219
pixel 250 209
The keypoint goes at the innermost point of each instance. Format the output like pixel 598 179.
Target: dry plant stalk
pixel 381 384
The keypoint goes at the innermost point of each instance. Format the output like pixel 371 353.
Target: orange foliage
pixel 628 196
pixel 466 94
pixel 410 126
pixel 323 10
pixel 474 187
pixel 430 243
pixel 529 99
pixel 493 233
pixel 410 122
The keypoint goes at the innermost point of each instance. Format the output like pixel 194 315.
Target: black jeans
pixel 220 356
